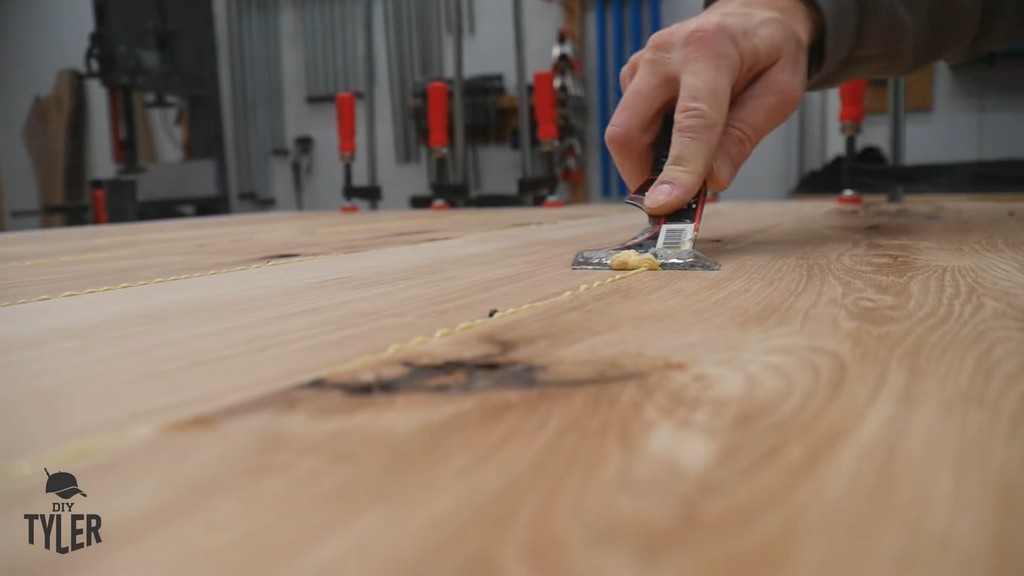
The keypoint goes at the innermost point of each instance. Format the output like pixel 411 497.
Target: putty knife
pixel 669 240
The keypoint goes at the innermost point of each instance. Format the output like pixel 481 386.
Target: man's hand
pixel 734 73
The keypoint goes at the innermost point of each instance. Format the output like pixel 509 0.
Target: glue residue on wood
pixel 633 260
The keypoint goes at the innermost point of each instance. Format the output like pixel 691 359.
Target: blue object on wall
pixel 636 21
pixel 601 27
pixel 619 58
pixel 655 15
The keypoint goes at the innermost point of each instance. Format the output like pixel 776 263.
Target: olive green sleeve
pixel 872 38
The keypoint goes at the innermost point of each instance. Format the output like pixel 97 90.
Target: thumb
pixel 676 186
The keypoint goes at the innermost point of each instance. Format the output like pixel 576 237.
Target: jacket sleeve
pixel 864 38
pixel 871 38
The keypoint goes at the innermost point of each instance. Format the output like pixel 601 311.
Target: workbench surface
pixel 325 393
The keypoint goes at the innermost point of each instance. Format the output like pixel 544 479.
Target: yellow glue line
pixel 73 293
pixel 67 455
pixel 75 452
pixel 511 229
pixel 53 260
pixel 395 349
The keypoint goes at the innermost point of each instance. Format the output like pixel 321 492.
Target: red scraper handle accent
pixel 545 109
pixel 852 95
pixel 437 115
pixel 345 103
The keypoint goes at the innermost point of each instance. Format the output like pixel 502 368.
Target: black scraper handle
pixel 662 145
pixel 690 213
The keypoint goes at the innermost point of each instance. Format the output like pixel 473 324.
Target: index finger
pixel 637 119
pixel 709 69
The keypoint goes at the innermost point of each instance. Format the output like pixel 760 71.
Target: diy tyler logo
pixel 63 533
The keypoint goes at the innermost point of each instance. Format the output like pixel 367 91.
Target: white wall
pixel 38 38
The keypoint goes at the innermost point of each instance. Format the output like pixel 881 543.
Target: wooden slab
pixel 267 327
pixel 33 265
pixel 844 397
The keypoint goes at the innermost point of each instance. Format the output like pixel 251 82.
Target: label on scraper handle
pixel 675 237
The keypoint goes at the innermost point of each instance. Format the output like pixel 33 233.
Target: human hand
pixel 733 74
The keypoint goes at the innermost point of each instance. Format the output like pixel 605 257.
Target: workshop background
pixel 972 112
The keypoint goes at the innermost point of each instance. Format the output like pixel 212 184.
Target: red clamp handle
pixel 545 106
pixel 99 206
pixel 852 95
pixel 437 115
pixel 345 104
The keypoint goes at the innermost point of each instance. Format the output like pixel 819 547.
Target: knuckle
pixel 627 72
pixel 708 35
pixel 694 117
pixel 661 44
pixel 616 138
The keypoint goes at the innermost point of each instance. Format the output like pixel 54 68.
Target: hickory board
pixel 845 396
pixel 53 262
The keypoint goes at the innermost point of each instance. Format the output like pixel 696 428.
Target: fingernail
pixel 660 195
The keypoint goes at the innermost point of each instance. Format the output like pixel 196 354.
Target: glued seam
pixel 67 455
pixel 466 326
pixel 73 293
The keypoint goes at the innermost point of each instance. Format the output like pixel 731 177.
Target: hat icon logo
pixel 62 484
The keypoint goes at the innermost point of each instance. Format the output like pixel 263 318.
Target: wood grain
pixel 37 264
pixel 844 397
pixel 241 333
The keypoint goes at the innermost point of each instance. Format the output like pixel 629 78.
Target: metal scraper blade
pixel 667 243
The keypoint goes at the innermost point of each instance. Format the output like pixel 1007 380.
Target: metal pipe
pixel 389 46
pixel 601 29
pixel 276 95
pixel 417 57
pixel 240 119
pixel 338 31
pixel 323 73
pixel 252 103
pixel 458 102
pixel 371 93
pixel 359 45
pixel 409 76
pixel 477 179
pixel 307 62
pixel 449 16
pixel 330 48
pixel 350 59
pixel 399 14
pixel 898 127
pixel 258 69
pixel 439 39
pixel 523 92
